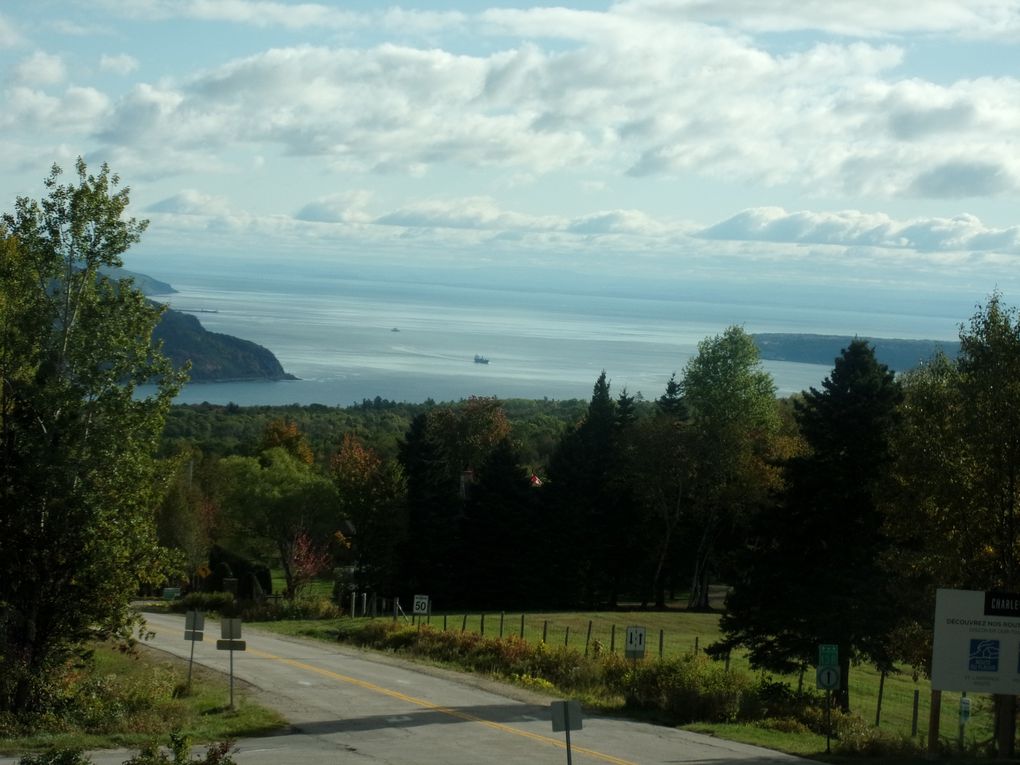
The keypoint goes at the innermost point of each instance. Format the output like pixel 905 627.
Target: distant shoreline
pixel 900 355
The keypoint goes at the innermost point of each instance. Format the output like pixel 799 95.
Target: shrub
pixel 56 757
pixel 298 608
pixel 856 737
pixel 687 689
pixel 216 602
pixel 180 749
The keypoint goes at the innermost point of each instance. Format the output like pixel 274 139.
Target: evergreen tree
pixel 582 472
pixel 815 573
pixel 434 510
pixel 506 549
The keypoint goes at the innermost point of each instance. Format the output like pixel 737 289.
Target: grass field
pixel 683 632
pixel 147 699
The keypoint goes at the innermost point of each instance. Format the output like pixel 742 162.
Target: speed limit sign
pixel 421 605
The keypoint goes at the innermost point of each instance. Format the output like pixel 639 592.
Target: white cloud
pixel 9 35
pixel 472 213
pixel 851 228
pixel 348 207
pixel 32 111
pixel 192 202
pixel 40 69
pixel 118 64
pixel 642 89
pixel 966 18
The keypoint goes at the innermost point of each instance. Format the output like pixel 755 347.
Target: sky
pixel 857 146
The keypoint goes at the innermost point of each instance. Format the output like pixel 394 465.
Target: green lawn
pixel 683 632
pixel 148 699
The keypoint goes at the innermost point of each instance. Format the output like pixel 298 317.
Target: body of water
pixel 350 339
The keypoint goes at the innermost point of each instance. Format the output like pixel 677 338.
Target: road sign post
pixel 827 678
pixel 635 647
pixel 194 624
pixel 421 608
pixel 230 640
pixel 566 716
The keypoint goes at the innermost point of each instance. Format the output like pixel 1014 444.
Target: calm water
pixel 349 339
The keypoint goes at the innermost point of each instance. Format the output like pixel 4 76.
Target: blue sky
pixel 870 143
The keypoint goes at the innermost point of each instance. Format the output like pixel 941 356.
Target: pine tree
pixel 815 572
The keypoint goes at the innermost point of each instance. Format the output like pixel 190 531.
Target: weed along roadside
pixel 677 683
pixel 136 698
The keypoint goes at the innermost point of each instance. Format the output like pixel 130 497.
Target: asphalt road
pixel 349 706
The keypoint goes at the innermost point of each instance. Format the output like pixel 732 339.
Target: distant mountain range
pixel 214 357
pixel 898 355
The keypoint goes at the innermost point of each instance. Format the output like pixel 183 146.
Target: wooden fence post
pixel 587 639
pixel 612 640
pixel 545 629
pixel 522 626
pixel 661 641
pixel 501 615
pixel 463 625
pixel 566 638
pixel 881 690
pixel 483 625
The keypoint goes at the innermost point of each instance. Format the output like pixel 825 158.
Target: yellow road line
pixel 436 708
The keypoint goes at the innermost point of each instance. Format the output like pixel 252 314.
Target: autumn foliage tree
pixel 371 494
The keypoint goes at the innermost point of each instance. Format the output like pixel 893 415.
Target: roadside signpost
pixel 566 716
pixel 827 678
pixel 421 607
pixel 635 647
pixel 194 624
pixel 230 640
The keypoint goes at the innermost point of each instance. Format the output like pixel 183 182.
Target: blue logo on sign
pixel 984 656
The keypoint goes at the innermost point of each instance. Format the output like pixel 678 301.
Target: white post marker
pixel 230 634
pixel 635 648
pixel 194 624
pixel 566 716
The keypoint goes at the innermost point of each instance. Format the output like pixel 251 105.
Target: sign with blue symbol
pixel 984 656
pixel 977 642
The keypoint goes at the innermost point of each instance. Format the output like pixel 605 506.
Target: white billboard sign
pixel 976 642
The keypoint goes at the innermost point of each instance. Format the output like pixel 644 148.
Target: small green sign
pixel 828 655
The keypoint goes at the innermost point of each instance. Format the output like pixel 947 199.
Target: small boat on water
pixel 395 329
pixel 481 359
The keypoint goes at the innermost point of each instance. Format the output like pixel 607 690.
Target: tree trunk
pixel 843 694
pixel 1005 726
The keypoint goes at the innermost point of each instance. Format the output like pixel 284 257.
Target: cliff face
pixel 215 357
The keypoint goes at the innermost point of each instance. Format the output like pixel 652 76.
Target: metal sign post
pixel 421 606
pixel 964 717
pixel 635 647
pixel 194 624
pixel 566 716
pixel 230 632
pixel 827 678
